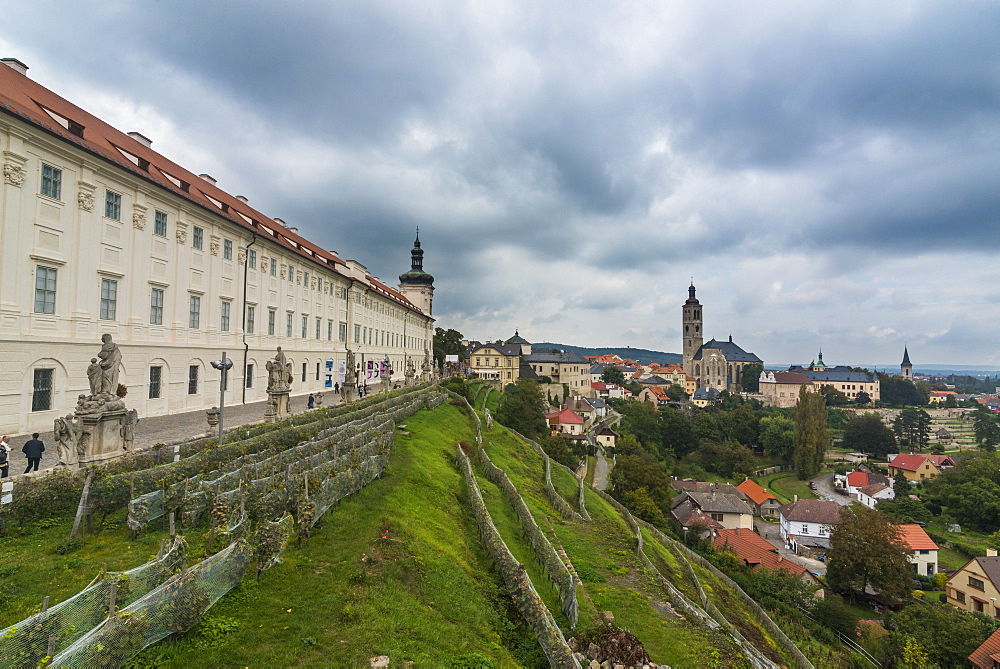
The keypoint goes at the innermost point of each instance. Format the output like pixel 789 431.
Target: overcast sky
pixel 826 172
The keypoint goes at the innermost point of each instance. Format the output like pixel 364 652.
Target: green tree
pixel 676 393
pixel 834 397
pixel 741 424
pixel 900 484
pixel 639 419
pixel 705 426
pixel 641 503
pixel 632 472
pixel 522 408
pixel 868 434
pixel 986 429
pixel 811 440
pixel 727 458
pixel 947 635
pixel 676 431
pixel 612 374
pixel 750 377
pixel 913 428
pixel 897 391
pixel 448 342
pixel 867 550
pixel 862 399
pixel 833 613
pixel 777 436
pixel 905 509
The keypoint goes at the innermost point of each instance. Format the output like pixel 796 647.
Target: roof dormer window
pixel 71 125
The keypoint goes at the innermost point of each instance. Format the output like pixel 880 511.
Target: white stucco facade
pixel 175 282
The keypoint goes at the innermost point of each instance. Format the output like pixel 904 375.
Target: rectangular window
pixel 197 238
pixel 112 205
pixel 960 596
pixel 288 325
pixel 109 299
pixel 329 330
pixel 342 332
pixel 249 376
pixel 156 306
pixel 357 297
pixel 319 328
pixel 805 529
pixel 274 267
pixel 51 182
pixel 317 371
pixel 194 312
pixel 45 290
pixel 160 223
pixel 357 334
pixel 252 258
pixel 154 382
pixel 226 307
pixel 305 279
pixel 251 313
pixel 976 583
pixel 193 380
pixel 343 293
pixel 271 316
pixel 291 273
pixel 227 249
pixel 41 390
pixel 303 372
pixel 305 327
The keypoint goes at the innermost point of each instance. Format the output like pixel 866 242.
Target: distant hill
pixel 643 355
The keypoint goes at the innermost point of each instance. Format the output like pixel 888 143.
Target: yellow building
pixel 976 586
pixel 914 467
pixel 495 362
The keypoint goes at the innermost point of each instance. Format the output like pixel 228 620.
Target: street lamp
pixel 223 366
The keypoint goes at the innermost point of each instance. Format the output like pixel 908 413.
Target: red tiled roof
pixel 915 538
pixel 748 548
pixel 695 517
pixel 857 479
pixel 812 511
pixel 941 460
pixel 984 656
pixel 33 104
pixel 755 492
pixel 910 463
pixel 564 416
pixel 873 489
pixel 797 378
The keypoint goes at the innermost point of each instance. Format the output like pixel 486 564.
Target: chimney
pixel 281 222
pixel 293 229
pixel 16 65
pixel 242 198
pixel 796 498
pixel 141 138
pixel 208 177
pixel 333 253
pixel 991 552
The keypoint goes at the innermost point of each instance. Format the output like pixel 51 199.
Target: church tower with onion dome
pixel 417 285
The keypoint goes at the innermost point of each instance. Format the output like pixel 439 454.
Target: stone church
pixel 712 364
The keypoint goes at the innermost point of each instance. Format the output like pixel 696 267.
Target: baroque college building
pixel 712 364
pixel 99 234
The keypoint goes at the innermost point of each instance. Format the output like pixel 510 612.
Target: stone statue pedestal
pixel 277 405
pixel 101 437
pixel 349 392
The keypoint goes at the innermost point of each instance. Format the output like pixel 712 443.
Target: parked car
pixel 812 485
pixel 821 557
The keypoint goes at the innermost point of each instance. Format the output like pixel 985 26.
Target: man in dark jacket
pixel 32 450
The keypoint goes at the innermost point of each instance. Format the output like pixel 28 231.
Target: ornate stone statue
pixel 111 358
pixel 351 377
pixel 94 377
pixel 278 371
pixel 67 435
pixel 129 421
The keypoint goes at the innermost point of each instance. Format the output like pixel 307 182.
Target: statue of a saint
pixel 67 435
pixel 278 371
pixel 351 375
pixel 94 376
pixel 129 421
pixel 111 358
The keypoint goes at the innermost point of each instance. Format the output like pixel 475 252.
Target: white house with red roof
pixel 565 421
pixel 870 495
pixel 925 551
pixel 808 522
pixel 607 390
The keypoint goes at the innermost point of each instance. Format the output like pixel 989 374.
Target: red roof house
pixel 764 503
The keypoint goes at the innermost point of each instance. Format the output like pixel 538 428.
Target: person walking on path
pixel 4 456
pixel 311 402
pixel 32 450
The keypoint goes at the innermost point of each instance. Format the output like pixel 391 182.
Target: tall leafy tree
pixel 897 391
pixel 676 432
pixel 868 434
pixel 913 427
pixel 811 439
pixel 986 429
pixel 947 635
pixel 612 374
pixel 522 407
pixel 777 436
pixel 867 550
pixel 742 425
pixel 447 342
pixel 750 377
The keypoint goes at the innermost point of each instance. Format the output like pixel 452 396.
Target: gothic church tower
pixel 692 330
pixel 417 285
pixel 906 369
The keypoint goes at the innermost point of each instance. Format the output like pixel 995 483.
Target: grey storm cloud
pixel 570 165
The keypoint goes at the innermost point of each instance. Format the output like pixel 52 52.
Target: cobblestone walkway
pixel 161 429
